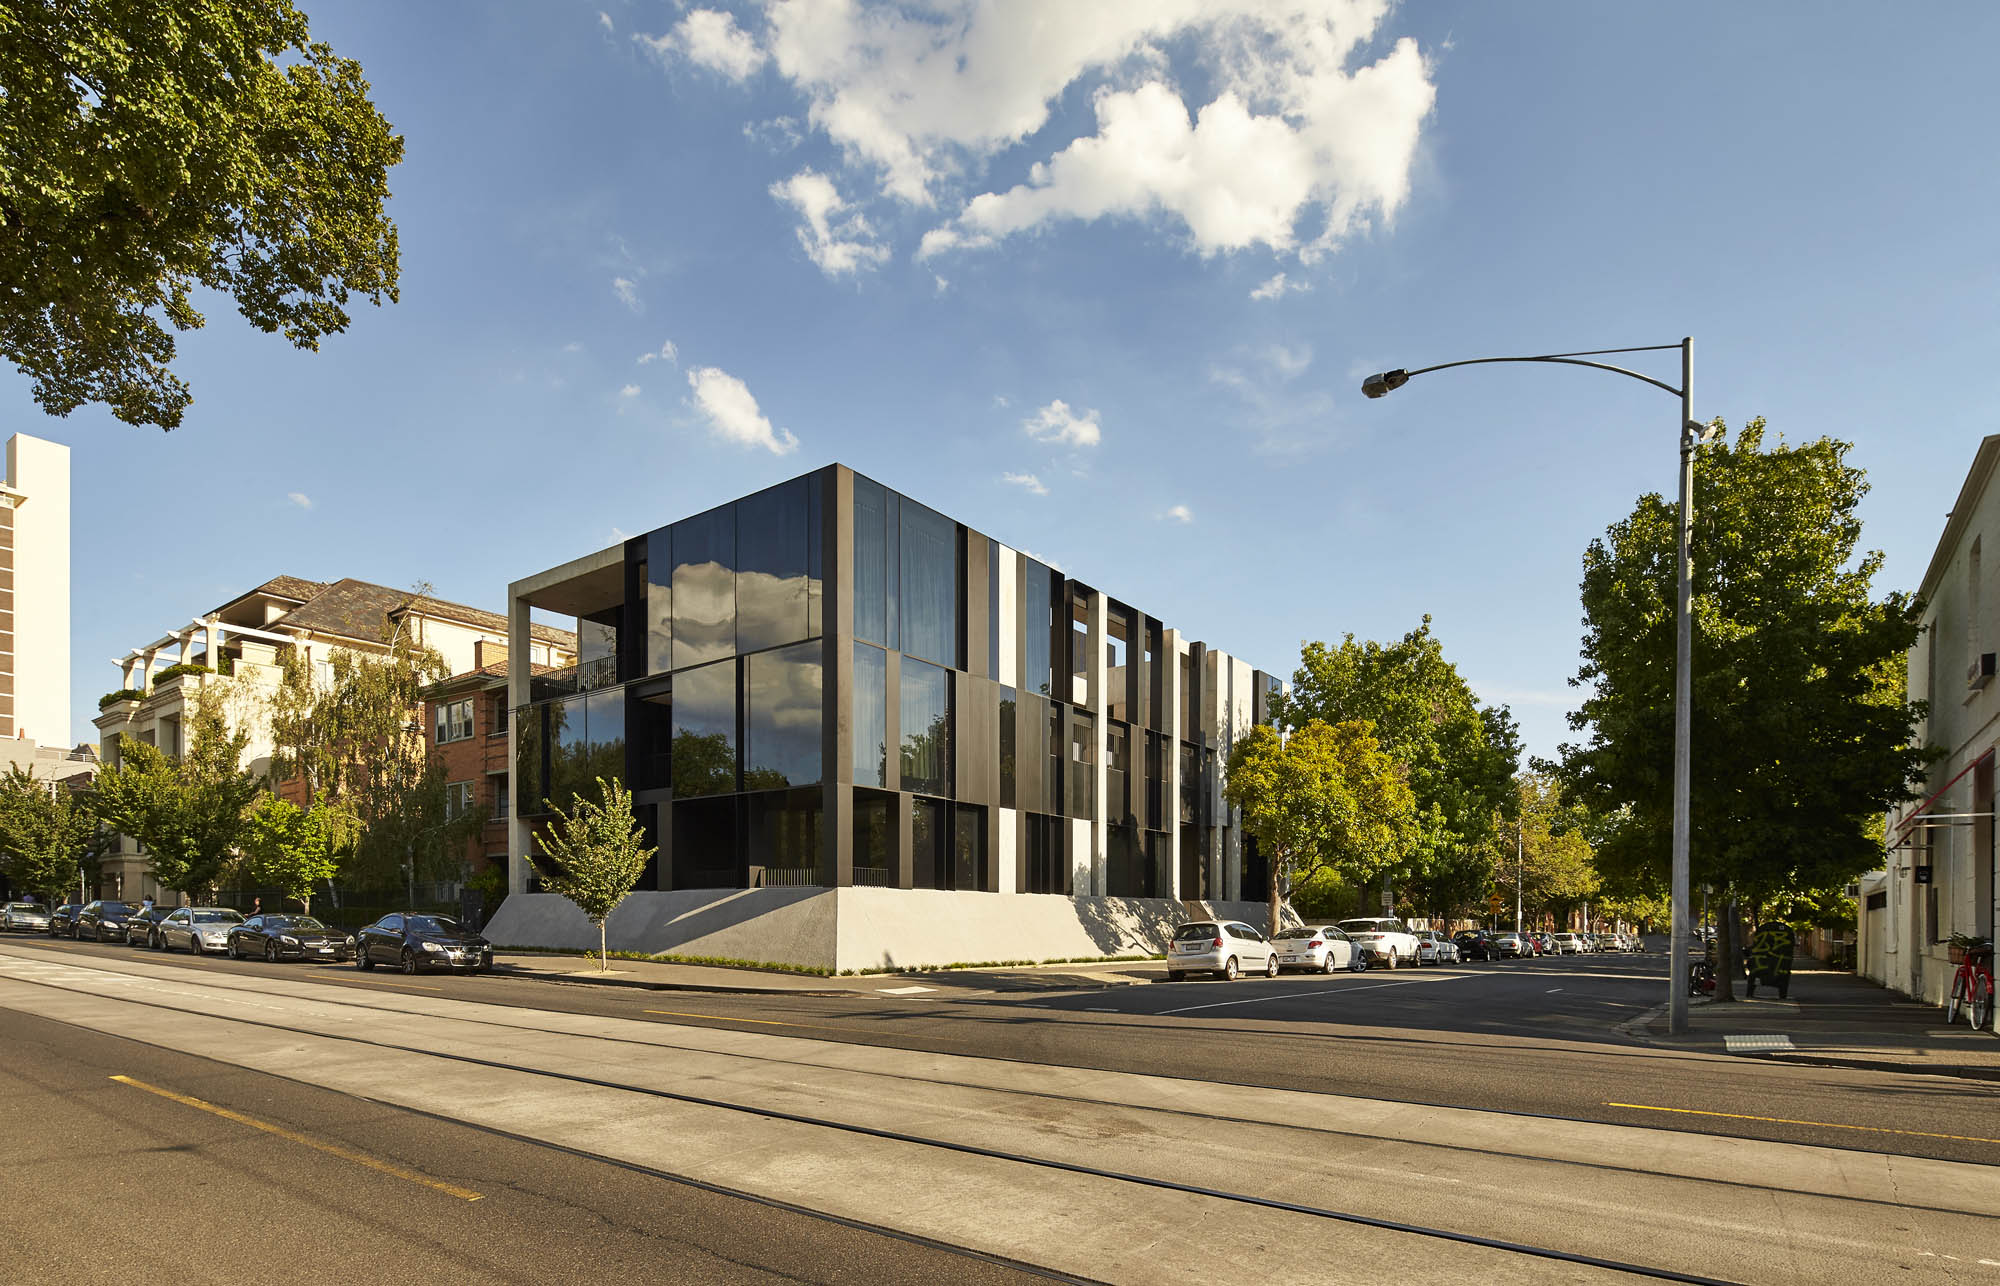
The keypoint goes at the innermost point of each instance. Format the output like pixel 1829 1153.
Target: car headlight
pixel 350 940
pixel 432 946
pixel 289 941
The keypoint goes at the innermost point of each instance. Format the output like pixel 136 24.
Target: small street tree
pixel 292 849
pixel 1324 798
pixel 595 854
pixel 189 812
pixel 49 837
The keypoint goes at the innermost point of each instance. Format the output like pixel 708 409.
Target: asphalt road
pixel 1534 1037
pixel 111 1180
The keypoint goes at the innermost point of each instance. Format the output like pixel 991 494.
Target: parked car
pixel 1435 948
pixel 282 936
pixel 1319 948
pixel 1547 943
pixel 24 917
pixel 1474 944
pixel 1534 942
pixel 1569 944
pixel 1511 944
pixel 1383 938
pixel 200 929
pixel 143 929
pixel 414 941
pixel 62 920
pixel 1225 948
pixel 103 921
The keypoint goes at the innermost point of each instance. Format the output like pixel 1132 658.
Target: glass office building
pixel 828 684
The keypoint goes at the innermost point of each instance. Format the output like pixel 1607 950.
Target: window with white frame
pixel 454 720
pixel 457 799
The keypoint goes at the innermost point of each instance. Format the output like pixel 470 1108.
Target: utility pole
pixel 1520 865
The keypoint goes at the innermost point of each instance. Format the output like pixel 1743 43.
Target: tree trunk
pixel 1278 865
pixel 1726 952
pixel 603 953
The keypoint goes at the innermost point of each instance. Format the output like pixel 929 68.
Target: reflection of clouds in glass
pixel 770 609
pixel 704 612
pixel 705 730
pixel 784 718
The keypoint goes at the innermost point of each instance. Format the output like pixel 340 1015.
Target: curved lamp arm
pixel 1388 381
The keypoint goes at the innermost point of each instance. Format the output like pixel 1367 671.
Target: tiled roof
pixel 357 609
pixel 296 588
pixel 482 678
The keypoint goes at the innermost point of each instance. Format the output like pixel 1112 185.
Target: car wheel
pixel 1229 970
pixel 194 944
pixel 362 960
pixel 1390 963
pixel 1327 967
pixel 1175 975
pixel 409 960
pixel 1271 965
pixel 270 953
pixel 1357 963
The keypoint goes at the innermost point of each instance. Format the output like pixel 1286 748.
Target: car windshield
pixel 1189 932
pixel 113 908
pixel 217 917
pixel 1362 926
pixel 432 924
pixel 291 922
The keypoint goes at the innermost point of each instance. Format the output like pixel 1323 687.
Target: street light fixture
pixel 1693 435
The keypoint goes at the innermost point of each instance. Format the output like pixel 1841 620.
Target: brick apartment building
pixel 466 715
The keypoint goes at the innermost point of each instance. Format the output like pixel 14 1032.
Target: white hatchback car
pixel 1569 944
pixel 1435 948
pixel 1226 948
pixel 1319 948
pixel 1383 938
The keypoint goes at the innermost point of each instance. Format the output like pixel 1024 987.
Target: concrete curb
pixel 642 984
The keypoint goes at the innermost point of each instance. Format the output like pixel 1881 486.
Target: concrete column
pixel 1169 661
pixel 212 642
pixel 837 675
pixel 146 672
pixel 519 670
pixel 187 646
pixel 1100 707
pixel 129 665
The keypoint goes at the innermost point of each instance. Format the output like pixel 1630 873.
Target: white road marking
pixel 902 991
pixel 1552 991
pixel 1756 1044
pixel 1295 995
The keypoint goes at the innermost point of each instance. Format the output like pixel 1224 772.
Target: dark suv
pixel 1473 944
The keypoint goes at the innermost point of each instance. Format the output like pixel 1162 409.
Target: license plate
pixel 1288 959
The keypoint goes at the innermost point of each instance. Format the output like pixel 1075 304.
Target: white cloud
pixel 1028 482
pixel 942 284
pixel 1057 423
pixel 627 291
pixel 732 413
pixel 668 353
pixel 1279 286
pixel 629 391
pixel 1001 400
pixel 574 346
pixel 711 39
pixel 1295 145
pixel 1287 361
pixel 299 498
pixel 1180 513
pixel 834 234
pixel 604 20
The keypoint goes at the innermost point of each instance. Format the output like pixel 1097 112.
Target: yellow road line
pixel 1785 1120
pixel 331 1149
pixel 772 1022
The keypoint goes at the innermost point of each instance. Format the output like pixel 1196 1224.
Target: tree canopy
pixel 291 849
pixel 149 147
pixel 1323 798
pixel 1802 736
pixel 49 836
pixel 1458 756
pixel 188 812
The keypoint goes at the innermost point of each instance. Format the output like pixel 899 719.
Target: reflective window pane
pixel 874 838
pixel 597 649
pixel 871 716
pixel 604 753
pixel 1036 601
pixel 929 844
pixel 1007 747
pixel 660 601
pixel 871 561
pixel 930 585
pixel 926 712
pixel 784 838
pixel 705 844
pixel 569 750
pixel 1082 765
pixel 530 725
pixel 704 588
pixel 771 567
pixel 704 717
pixel 968 847
pixel 649 721
pixel 782 718
pixel 1117 770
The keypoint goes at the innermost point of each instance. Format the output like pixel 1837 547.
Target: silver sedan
pixel 200 929
pixel 25 917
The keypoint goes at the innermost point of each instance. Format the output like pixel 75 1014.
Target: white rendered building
pixel 34 592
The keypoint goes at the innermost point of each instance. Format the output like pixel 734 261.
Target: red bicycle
pixel 1972 988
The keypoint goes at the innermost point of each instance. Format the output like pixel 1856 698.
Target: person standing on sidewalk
pixel 1771 958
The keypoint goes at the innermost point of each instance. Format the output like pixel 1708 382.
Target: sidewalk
pixel 1833 1019
pixel 663 975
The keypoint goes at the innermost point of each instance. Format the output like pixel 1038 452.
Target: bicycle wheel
pixel 1959 997
pixel 1982 1003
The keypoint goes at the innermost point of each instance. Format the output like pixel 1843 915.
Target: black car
pixel 1473 944
pixel 143 929
pixel 102 920
pixel 416 941
pixel 62 920
pixel 280 935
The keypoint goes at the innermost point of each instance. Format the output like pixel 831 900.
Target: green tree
pixel 1544 854
pixel 188 812
pixel 1457 755
pixel 595 854
pixel 356 741
pixel 149 147
pixel 1802 736
pixel 1323 798
pixel 49 837
pixel 291 848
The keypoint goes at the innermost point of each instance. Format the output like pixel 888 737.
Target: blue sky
pixel 655 257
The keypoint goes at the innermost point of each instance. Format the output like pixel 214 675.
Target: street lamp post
pixel 1692 435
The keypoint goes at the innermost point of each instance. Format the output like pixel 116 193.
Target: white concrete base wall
pixel 859 928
